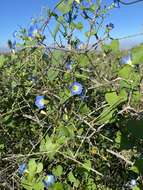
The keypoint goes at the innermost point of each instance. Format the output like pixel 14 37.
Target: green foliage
pixel 113 46
pixel 32 178
pixel 88 141
pixel 78 25
pixel 73 180
pixel 112 97
pixel 49 147
pixel 2 60
pixel 135 128
pixel 90 33
pixel 130 76
pixel 58 171
pixel 137 55
pixel 65 7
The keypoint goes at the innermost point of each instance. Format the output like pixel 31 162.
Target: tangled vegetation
pixel 70 116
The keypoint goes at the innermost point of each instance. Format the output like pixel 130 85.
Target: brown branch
pixel 120 156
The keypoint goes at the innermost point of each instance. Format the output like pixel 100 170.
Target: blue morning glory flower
pixel 110 26
pixel 116 4
pixel 33 31
pixel 22 168
pixel 76 88
pixel 126 60
pixel 14 41
pixel 40 102
pixel 14 44
pixel 69 66
pixel 133 182
pixel 33 78
pixel 49 180
pixel 14 34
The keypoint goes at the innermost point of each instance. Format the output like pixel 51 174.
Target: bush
pixel 71 118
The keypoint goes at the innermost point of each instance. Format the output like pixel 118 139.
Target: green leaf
pixel 2 60
pixel 32 166
pixel 58 186
pixel 38 186
pixel 92 8
pixel 71 178
pixel 139 165
pixel 85 109
pixel 135 169
pixel 90 33
pixel 65 7
pixel 114 45
pixel 135 127
pixel 58 171
pixel 78 25
pixel 112 97
pixel 52 74
pixel 131 79
pixel 56 58
pixel 106 47
pixel 48 146
pixel 1 146
pixel 137 55
pixel 83 60
pixel 126 72
pixel 39 167
pixel 136 188
pixel 91 184
pixel 64 96
pixel 87 165
pixel 71 128
pixel 106 116
pixel 136 97
pixel 64 131
pixel 26 184
pixel 83 7
pixel 127 143
pixel 118 137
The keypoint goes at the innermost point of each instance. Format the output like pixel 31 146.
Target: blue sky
pixel 128 20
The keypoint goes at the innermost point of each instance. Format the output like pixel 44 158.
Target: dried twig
pixel 120 156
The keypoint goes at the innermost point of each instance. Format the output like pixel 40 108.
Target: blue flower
pixel 133 182
pixel 33 31
pixel 14 34
pixel 116 4
pixel 40 102
pixel 14 44
pixel 76 88
pixel 33 78
pixel 126 60
pixel 110 26
pixel 49 180
pixel 69 66
pixel 22 168
pixel 14 41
